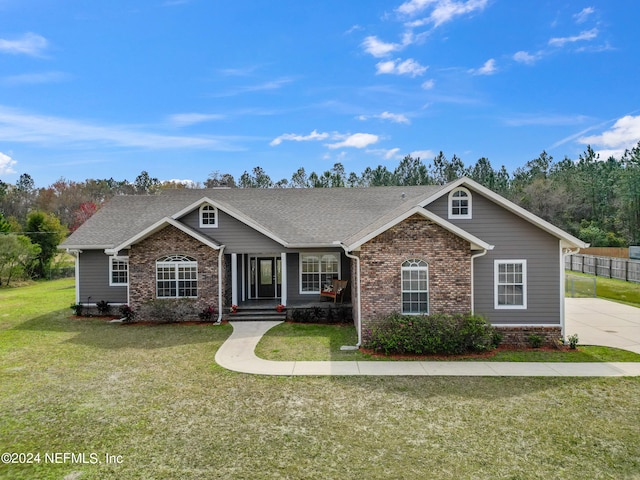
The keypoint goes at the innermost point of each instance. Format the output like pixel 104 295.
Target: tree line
pixel 597 200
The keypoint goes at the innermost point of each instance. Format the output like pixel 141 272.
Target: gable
pixel 434 203
pixel 235 234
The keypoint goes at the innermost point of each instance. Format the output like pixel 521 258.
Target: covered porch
pixel 290 278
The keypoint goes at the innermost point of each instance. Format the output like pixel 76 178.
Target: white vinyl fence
pixel 609 267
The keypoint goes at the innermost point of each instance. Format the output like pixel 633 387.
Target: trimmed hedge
pixel 439 334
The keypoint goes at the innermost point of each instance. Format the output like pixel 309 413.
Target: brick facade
pixel 448 257
pixel 171 241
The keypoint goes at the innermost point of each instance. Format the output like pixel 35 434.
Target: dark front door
pixel 266 277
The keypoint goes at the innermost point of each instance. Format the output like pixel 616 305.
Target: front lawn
pixel 154 396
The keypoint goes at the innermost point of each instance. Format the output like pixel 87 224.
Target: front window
pixel 415 287
pixel 460 203
pixel 317 270
pixel 510 284
pixel 176 277
pixel 118 271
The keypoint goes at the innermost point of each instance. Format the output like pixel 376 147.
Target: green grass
pixel 301 342
pixel 612 289
pixel 154 395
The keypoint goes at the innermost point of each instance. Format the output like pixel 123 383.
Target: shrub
pixel 127 313
pixel 573 341
pixel 169 310
pixel 441 334
pixel 207 314
pixel 103 307
pixel 77 308
pixel 327 315
pixel 535 340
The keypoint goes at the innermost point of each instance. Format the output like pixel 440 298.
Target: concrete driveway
pixel 601 322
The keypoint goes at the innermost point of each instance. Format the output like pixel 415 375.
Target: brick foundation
pixel 171 241
pixel 448 256
pixel 517 336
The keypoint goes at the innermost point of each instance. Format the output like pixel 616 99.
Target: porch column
pixel 283 282
pixel 234 279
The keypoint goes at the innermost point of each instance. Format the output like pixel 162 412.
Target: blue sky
pixel 183 88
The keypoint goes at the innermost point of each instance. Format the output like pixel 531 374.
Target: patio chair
pixel 334 290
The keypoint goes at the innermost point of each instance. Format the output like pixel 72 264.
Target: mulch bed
pixel 478 355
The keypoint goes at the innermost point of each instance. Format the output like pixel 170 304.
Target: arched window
pixel 415 287
pixel 459 203
pixel 208 216
pixel 176 277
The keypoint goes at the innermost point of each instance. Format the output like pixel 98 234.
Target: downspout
pixel 563 253
pixel 220 278
pixel 473 278
pixel 358 307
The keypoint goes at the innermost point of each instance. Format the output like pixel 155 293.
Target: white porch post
pixel 283 284
pixel 234 279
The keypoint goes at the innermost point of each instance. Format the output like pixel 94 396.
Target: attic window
pixel 208 216
pixel 459 204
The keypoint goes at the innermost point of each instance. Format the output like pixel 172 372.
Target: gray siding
pixel 293 277
pixel 235 235
pixel 94 279
pixel 514 239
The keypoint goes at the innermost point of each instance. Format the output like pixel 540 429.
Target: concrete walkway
pixel 601 322
pixel 237 354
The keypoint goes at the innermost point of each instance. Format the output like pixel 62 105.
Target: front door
pixel 266 277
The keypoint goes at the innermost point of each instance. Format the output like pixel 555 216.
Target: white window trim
pixel 208 225
pixel 111 282
pixel 175 264
pixel 402 290
pixel 319 254
pixel 496 284
pixel 469 200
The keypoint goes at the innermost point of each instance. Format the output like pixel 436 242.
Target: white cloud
pixel 29 44
pixel 584 14
pixel 423 154
pixel 393 117
pixel 625 134
pixel 387 154
pixel 186 119
pixel 413 7
pixel 6 164
pixel 261 87
pixel 582 36
pixel 357 140
pixel 443 10
pixel 35 78
pixel 299 138
pixel 16 126
pixel 489 68
pixel 397 67
pixel 545 120
pixel 378 48
pixel 526 57
pixel 429 84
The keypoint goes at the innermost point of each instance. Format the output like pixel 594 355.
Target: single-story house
pixel 453 248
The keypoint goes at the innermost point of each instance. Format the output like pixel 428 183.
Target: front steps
pixel 255 313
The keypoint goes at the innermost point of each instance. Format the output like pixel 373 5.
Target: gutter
pixel 358 305
pixel 220 274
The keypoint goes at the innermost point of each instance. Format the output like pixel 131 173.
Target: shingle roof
pixel 298 217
